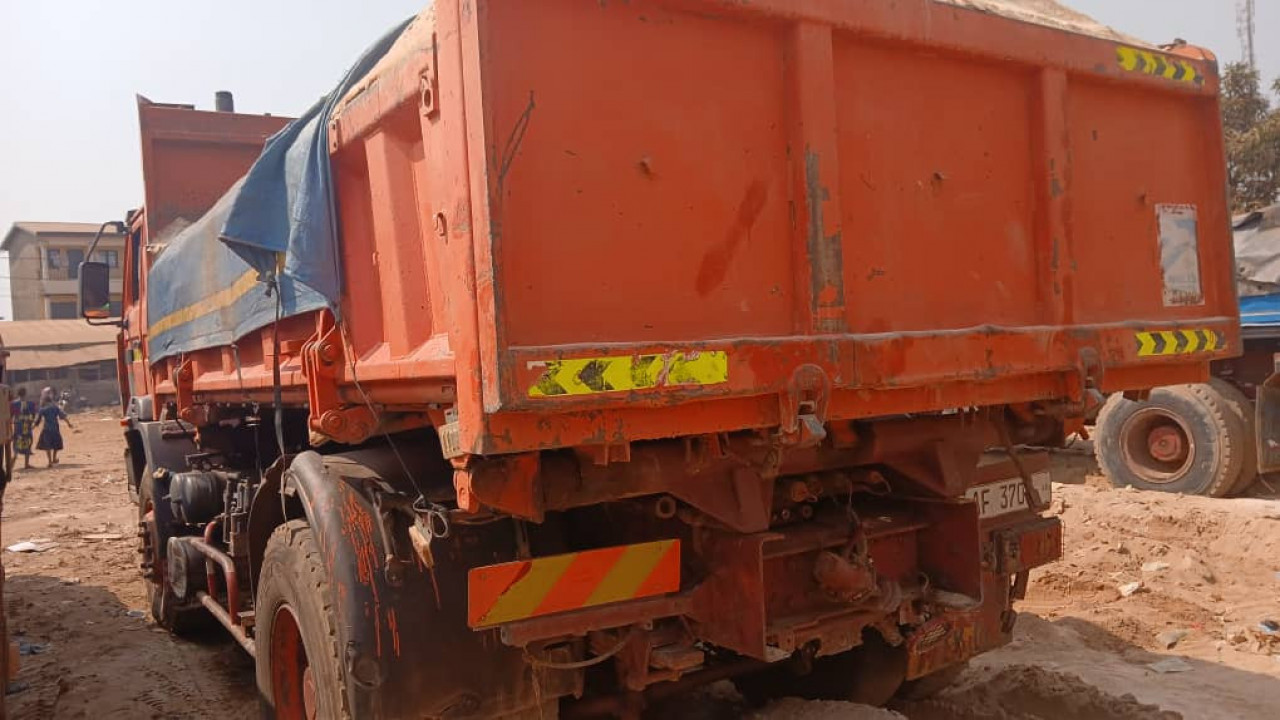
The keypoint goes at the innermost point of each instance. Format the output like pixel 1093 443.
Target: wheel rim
pixel 1158 446
pixel 293 682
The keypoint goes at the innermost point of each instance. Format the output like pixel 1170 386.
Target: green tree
pixel 1252 129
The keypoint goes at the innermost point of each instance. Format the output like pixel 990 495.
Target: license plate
pixel 1008 496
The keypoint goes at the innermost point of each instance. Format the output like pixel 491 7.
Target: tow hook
pixel 844 579
pixel 803 408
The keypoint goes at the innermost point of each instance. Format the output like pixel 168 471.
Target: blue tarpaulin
pixel 277 227
pixel 1257 246
pixel 1260 310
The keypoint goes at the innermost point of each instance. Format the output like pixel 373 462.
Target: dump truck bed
pixel 661 218
pixel 936 207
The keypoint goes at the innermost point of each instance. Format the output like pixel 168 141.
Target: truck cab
pixel 190 158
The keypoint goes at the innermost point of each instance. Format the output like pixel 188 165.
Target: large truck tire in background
pixel 1214 438
pixel 1193 439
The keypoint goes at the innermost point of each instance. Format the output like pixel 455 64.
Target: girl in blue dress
pixel 51 435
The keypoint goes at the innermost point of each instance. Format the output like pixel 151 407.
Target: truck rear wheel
pixel 300 676
pixel 1193 439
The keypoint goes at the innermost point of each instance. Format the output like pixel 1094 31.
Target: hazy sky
pixel 69 70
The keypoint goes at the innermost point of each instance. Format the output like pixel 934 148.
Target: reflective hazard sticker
pixel 1161 343
pixel 1180 255
pixel 1157 64
pixel 498 594
pixel 594 375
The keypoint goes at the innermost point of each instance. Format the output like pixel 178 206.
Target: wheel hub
pixel 1157 445
pixel 1165 443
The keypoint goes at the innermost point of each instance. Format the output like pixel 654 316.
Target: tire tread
pixel 1228 431
pixel 292 548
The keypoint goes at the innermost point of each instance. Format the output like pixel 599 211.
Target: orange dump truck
pixel 571 354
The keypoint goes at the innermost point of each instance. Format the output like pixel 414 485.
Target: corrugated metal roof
pixel 58 228
pixel 52 334
pixel 54 228
pixel 36 359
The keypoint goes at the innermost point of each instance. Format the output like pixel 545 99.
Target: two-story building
pixel 44 266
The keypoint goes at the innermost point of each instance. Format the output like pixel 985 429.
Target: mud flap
pixel 408 650
pixel 165 445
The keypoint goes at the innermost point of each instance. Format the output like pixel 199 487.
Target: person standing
pixel 23 412
pixel 51 434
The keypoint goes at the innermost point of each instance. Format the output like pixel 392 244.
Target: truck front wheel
pixel 1192 439
pixel 299 673
pixel 154 530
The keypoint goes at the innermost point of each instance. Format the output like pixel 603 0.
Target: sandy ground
pixel 1208 572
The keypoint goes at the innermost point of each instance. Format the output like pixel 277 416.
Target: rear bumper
pixel 761 599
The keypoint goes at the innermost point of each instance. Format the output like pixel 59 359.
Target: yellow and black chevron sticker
pixel 1179 342
pixel 590 376
pixel 1158 65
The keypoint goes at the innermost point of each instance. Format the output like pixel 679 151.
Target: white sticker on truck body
pixel 1180 255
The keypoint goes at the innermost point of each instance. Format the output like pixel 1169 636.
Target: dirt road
pixel 1207 573
pixel 82 604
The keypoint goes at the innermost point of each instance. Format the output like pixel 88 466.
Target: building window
pixel 87 373
pixel 74 258
pixel 110 258
pixel 63 310
pixel 53 258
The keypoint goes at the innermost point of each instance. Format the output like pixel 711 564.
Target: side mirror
pixel 95 291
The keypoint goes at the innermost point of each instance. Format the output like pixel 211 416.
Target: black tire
pixel 167 610
pixel 133 473
pixel 296 604
pixel 1209 448
pixel 923 688
pixel 1243 409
